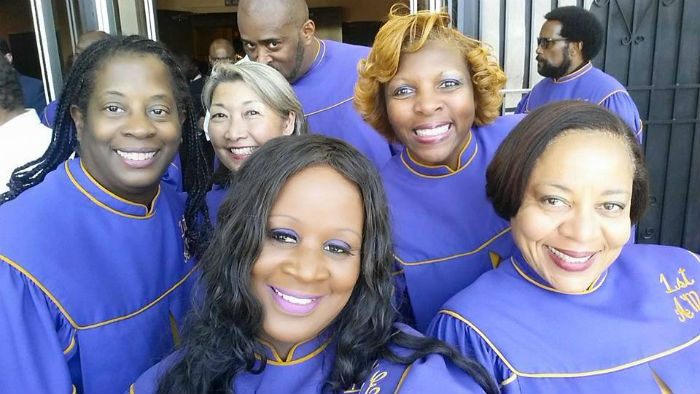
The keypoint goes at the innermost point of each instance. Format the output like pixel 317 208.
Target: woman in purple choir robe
pixel 296 288
pixel 578 309
pixel 249 103
pixel 437 92
pixel 95 255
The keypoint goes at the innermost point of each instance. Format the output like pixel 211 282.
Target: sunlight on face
pixel 575 215
pixel 310 260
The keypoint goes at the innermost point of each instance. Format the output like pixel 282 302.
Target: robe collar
pixel 466 156
pixel 523 268
pixel 88 186
pixel 580 72
pixel 301 351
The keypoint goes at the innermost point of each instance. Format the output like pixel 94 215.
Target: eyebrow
pixel 120 94
pixel 605 193
pixel 220 104
pixel 348 230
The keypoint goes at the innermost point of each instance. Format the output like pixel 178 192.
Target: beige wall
pixel 353 10
pixel 15 17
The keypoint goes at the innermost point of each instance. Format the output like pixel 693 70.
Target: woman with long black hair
pixel 297 288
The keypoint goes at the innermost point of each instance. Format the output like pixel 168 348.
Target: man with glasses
pixel 568 40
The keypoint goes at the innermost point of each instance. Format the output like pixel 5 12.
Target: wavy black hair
pixel 579 25
pixel 220 334
pixel 196 172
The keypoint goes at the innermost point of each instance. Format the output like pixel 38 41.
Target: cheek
pixel 346 276
pixel 617 232
pixel 531 225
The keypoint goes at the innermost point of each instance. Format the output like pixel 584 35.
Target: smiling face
pixel 131 130
pixel 241 123
pixel 430 103
pixel 310 259
pixel 575 215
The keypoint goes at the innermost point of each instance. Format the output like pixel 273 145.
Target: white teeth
pixel 294 300
pixel 431 132
pixel 569 259
pixel 136 156
pixel 248 150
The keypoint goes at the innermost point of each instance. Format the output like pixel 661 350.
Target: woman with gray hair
pixel 249 104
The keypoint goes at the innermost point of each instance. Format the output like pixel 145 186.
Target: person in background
pixel 221 50
pixel 280 34
pixel 97 256
pixel 48 115
pixel 249 103
pixel 22 137
pixel 437 92
pixel 32 88
pixel 568 40
pixel 296 288
pixel 577 309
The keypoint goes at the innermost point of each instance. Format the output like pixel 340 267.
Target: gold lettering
pixel 693 299
pixel 685 278
pixel 373 388
pixel 662 279
pixel 683 314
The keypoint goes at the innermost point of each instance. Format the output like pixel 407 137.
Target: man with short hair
pixel 32 88
pixel 323 73
pixel 220 50
pixel 22 137
pixel 568 41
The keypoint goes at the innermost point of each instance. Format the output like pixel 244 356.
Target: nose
pixel 427 102
pixel 139 125
pixel 582 226
pixel 539 49
pixel 237 130
pixel 307 264
pixel 262 55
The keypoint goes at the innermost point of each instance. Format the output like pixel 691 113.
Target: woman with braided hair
pixel 96 257
pixel 436 91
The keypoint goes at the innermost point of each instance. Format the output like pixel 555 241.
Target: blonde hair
pixel 404 33
pixel 266 82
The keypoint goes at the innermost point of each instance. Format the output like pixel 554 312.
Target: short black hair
pixel 579 25
pixel 10 90
pixel 4 48
pixel 508 175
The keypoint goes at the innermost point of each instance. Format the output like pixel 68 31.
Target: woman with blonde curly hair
pixel 437 92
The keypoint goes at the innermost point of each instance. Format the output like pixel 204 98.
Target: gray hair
pixel 272 88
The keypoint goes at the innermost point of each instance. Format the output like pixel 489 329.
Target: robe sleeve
pixel 35 338
pixel 434 374
pixel 622 104
pixel 468 342
pixel 521 108
pixel 147 383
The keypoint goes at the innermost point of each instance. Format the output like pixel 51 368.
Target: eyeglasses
pixel 547 42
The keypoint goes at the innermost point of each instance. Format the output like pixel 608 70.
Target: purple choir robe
pixel 326 92
pixel 636 330
pixel 92 286
pixel 214 199
pixel 589 84
pixel 309 364
pixel 446 232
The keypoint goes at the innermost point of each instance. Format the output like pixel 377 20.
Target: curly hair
pixel 219 341
pixel 10 89
pixel 405 33
pixel 579 25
